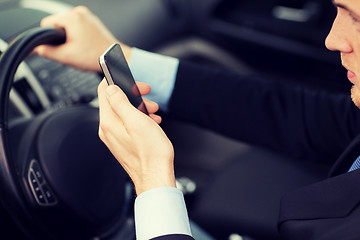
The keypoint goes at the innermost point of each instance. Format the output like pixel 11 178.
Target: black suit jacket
pixel 302 123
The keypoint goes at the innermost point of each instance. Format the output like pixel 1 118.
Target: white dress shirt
pixel 161 211
pixel 158 71
pixel 158 211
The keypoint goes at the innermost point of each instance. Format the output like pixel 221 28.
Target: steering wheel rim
pixel 13 184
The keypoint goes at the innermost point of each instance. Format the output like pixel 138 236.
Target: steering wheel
pixel 57 179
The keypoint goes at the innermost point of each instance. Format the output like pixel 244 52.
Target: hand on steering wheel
pixel 85 34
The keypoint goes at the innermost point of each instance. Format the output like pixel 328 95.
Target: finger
pixel 102 91
pixel 53 20
pixel 57 53
pixel 151 106
pixel 120 104
pixel 109 120
pixel 60 19
pixel 104 105
pixel 144 88
pixel 102 86
pixel 156 118
pixel 48 21
pixel 48 51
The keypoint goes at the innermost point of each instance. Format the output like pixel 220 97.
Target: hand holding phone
pixel 117 71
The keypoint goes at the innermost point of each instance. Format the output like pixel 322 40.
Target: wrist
pixel 153 181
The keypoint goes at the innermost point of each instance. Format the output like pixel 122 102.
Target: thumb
pixel 120 103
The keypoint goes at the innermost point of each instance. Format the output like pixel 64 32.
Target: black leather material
pixel 174 237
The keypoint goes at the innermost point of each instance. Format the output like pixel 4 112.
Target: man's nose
pixel 337 39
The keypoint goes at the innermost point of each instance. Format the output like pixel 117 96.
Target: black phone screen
pixel 117 71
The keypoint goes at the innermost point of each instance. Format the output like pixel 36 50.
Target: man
pixel 250 109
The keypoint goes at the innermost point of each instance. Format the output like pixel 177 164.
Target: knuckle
pixel 143 124
pixel 81 9
pixel 118 97
pixel 41 51
pixel 80 12
pixel 99 89
pixel 44 21
pixel 105 127
pixel 102 129
pixel 101 134
pixel 122 97
pixel 156 106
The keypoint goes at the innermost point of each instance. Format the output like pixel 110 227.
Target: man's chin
pixel 355 96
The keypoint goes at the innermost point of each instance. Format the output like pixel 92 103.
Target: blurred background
pixel 284 38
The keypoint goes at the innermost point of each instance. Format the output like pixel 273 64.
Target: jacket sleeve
pixel 300 122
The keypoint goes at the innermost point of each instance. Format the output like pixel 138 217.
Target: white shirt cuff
pixel 159 212
pixel 157 70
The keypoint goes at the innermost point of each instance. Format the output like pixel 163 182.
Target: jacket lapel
pixel 347 158
pixel 334 197
pixel 331 198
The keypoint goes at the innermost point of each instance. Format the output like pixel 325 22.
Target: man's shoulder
pixel 174 237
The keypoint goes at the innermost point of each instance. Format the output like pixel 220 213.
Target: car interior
pixel 58 181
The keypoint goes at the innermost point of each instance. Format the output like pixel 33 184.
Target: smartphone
pixel 117 71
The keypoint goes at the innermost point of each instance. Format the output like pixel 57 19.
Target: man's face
pixel 345 37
